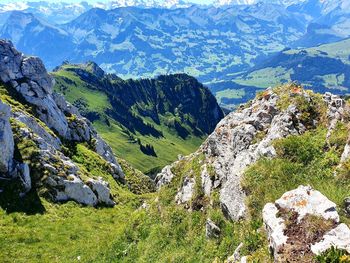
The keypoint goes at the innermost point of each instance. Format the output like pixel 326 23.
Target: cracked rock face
pixel 165 176
pixel 54 119
pixel 6 139
pixel 299 204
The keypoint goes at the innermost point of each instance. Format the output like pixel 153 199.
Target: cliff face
pixel 39 132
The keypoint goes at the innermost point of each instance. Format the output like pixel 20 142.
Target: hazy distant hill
pixel 322 68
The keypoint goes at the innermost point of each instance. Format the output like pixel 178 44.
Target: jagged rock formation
pixel 234 145
pixel 240 140
pixel 244 136
pixel 49 124
pixel 300 208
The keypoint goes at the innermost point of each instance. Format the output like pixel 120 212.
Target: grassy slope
pixel 338 50
pixel 64 232
pixel 167 148
pixel 167 232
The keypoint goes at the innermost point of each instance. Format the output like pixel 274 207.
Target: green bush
pixel 333 255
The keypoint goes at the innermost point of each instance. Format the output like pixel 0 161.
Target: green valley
pixel 148 122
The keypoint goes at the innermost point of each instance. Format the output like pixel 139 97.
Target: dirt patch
pixel 301 235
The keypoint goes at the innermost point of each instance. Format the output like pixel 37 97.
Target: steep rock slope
pixel 263 150
pixel 40 132
pixel 147 121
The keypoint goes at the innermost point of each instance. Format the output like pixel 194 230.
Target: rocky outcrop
pixel 102 191
pixel 6 140
pixel 238 141
pixel 211 230
pixel 336 111
pixel 44 122
pixel 185 194
pixel 289 223
pixel 165 176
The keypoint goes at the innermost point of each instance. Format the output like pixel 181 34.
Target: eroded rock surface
pixel 185 194
pixel 44 121
pixel 6 140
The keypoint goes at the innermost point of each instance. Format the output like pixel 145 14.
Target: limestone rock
pixel 302 202
pixel 24 175
pixel 73 188
pixel 186 192
pixel 164 177
pixel 54 118
pixel 230 149
pixel 207 183
pixel 337 112
pixel 32 123
pixel 211 230
pixel 105 151
pixel 6 140
pixel 236 257
pixel 347 205
pixel 346 153
pixel 102 191
pixel 36 90
pixel 338 237
pixel 305 200
pixel 275 228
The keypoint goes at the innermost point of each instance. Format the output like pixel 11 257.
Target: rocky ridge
pixel 233 146
pixel 32 114
pixel 247 135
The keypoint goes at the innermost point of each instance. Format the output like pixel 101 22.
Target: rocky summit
pixel 37 126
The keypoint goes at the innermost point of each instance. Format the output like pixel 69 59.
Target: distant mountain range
pixel 207 42
pixel 322 68
pixel 213 43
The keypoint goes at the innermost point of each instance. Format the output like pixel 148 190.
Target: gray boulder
pixel 101 190
pixel 338 237
pixel 73 188
pixel 211 230
pixel 186 192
